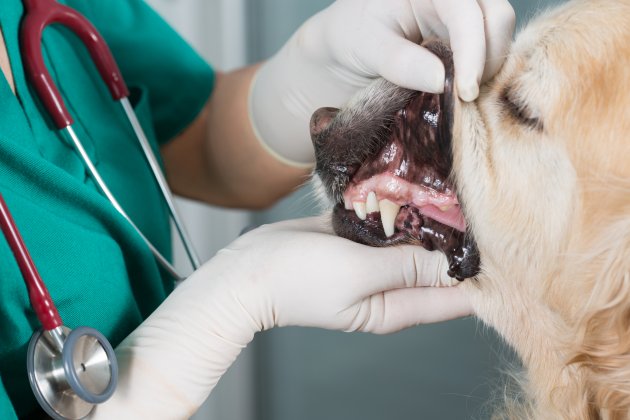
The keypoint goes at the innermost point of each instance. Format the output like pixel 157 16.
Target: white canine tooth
pixel 360 209
pixel 372 203
pixel 389 211
pixel 446 208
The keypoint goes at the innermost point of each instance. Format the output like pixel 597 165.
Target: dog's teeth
pixel 372 203
pixel 360 209
pixel 389 211
pixel 446 208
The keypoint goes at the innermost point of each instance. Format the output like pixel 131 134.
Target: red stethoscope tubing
pixel 38 293
pixel 40 14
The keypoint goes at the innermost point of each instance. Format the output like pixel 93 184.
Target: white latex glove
pixel 291 273
pixel 343 48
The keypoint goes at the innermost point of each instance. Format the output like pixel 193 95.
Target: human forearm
pixel 219 159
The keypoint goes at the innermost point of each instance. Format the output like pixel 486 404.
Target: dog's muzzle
pixel 386 162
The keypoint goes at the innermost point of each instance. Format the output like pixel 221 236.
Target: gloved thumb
pixel 465 23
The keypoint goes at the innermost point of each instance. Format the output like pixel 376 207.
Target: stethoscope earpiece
pixel 38 15
pixel 69 383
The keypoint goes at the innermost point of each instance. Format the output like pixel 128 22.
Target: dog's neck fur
pixel 550 388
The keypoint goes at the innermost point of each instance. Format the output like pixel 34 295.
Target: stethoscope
pixel 70 371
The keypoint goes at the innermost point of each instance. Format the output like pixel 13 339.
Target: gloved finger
pixel 407 64
pixel 398 309
pixel 499 20
pixel 464 21
pixel 400 267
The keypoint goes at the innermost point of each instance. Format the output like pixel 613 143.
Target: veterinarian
pixel 238 139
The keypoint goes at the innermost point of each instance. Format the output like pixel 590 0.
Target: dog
pixel 526 191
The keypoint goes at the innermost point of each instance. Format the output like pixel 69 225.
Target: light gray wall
pixel 445 371
pixel 526 9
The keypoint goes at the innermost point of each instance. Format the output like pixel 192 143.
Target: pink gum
pixel 396 190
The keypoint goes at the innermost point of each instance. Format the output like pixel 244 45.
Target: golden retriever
pixel 539 167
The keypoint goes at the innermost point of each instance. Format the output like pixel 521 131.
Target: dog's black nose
pixel 320 121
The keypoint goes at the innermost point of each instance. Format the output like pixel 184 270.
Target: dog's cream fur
pixel 548 201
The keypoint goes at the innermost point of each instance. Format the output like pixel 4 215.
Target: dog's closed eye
pixel 518 110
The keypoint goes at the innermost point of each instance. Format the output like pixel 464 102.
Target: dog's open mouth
pixel 385 161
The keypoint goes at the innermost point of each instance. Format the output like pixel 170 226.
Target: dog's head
pixel 541 171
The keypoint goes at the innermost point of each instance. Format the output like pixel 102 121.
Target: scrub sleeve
pixel 98 271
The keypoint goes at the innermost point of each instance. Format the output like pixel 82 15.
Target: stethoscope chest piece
pixel 69 383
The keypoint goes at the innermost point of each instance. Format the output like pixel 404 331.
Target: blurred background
pixel 445 371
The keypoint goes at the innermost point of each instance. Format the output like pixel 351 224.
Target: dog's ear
pixel 603 331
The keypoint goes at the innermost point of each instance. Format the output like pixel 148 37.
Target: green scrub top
pixel 97 269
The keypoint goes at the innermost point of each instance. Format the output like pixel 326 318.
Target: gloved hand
pixel 291 273
pixel 344 47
